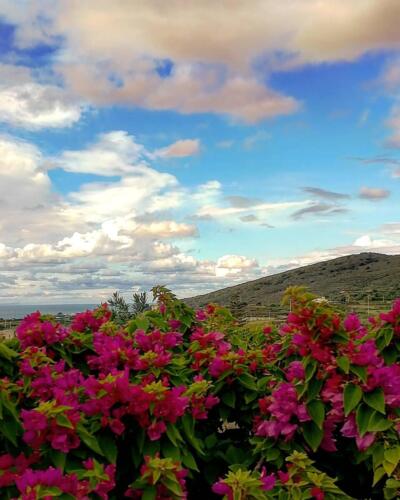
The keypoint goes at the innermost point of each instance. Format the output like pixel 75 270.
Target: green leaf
pixel 313 435
pixel 273 454
pixel 142 323
pixel 378 475
pixel 63 421
pixel 392 484
pixel 171 451
pixel 109 447
pixel 58 458
pixel 10 407
pixel 211 441
pixel 7 353
pixel 90 441
pixel 250 396
pixel 172 435
pixel 352 395
pixel 248 381
pixel 313 389
pixel 189 461
pixel 360 371
pixel 10 429
pixel 392 455
pixel 388 336
pixel 363 416
pixel 310 370
pixel 376 400
pixel 49 491
pixel 389 467
pixel 188 427
pixel 343 363
pixel 235 455
pixel 316 410
pixel 173 486
pixel 378 423
pixel 377 455
pixel 150 493
pixel 229 398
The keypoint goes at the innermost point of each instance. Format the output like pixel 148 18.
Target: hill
pixel 371 276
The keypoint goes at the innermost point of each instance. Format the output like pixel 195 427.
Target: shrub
pixel 182 403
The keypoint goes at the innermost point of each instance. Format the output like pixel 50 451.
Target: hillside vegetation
pixel 350 278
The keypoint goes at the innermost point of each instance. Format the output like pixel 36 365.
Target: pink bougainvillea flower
pixel 350 430
pixel 317 493
pixel 220 488
pixel 268 480
pixel 295 370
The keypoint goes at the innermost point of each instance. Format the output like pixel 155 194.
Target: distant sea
pixel 18 311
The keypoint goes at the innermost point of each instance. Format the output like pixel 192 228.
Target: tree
pixel 122 311
pixel 140 303
pixel 119 308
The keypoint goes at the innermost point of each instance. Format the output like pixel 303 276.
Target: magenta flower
pixel 285 412
pixel 218 367
pixel 51 477
pixel 220 488
pixel 350 430
pixel 268 480
pixel 366 354
pixel 33 331
pixel 295 370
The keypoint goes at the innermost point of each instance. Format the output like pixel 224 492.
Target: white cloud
pixel 225 213
pixel 115 153
pixel 105 235
pixel 234 264
pixel 31 105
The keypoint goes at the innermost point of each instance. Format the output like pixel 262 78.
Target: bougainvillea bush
pixel 182 404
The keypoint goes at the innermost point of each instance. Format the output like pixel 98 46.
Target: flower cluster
pixel 285 411
pixel 178 399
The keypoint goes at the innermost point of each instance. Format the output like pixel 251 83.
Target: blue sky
pixel 195 153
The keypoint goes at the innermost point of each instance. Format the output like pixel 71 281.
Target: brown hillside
pixel 352 276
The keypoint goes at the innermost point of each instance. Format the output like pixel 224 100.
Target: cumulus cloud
pixel 31 105
pixel 199 56
pixel 179 149
pixel 374 194
pixel 234 264
pixel 114 153
pixel 314 30
pixel 104 235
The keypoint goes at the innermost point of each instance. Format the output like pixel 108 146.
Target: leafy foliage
pixel 178 403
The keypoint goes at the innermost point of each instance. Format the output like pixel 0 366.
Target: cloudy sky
pixel 194 144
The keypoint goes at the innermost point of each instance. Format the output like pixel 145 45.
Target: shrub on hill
pixel 182 403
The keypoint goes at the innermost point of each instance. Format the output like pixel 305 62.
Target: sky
pixel 192 144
